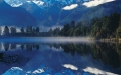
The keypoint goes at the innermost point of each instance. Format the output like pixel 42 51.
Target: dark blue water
pixel 28 57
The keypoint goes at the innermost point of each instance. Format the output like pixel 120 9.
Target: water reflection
pixel 11 59
pixel 108 53
pixel 6 46
pixel 13 46
pixel 22 46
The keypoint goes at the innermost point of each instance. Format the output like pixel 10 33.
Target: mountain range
pixel 15 16
pixel 50 13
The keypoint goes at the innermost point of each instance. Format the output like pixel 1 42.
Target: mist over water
pixel 65 39
pixel 48 39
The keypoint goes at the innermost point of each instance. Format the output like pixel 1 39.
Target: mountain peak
pixel 15 3
pixel 44 3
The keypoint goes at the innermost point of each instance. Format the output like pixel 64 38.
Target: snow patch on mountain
pixel 96 2
pixel 97 71
pixel 70 7
pixel 28 1
pixel 72 67
pixel 39 71
pixel 16 5
pixel 39 3
pixel 16 68
pixel 14 71
pixel 19 71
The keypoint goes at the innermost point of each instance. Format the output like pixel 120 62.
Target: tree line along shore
pixel 106 28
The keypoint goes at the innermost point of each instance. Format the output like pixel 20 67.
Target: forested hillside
pixel 104 27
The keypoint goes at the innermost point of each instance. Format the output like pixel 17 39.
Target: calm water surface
pixel 60 57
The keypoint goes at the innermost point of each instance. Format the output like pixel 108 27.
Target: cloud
pixel 96 3
pixel 97 71
pixel 70 7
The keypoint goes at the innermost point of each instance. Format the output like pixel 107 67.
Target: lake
pixel 58 56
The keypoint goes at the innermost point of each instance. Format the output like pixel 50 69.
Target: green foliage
pixel 75 30
pixel 64 31
pixel 106 26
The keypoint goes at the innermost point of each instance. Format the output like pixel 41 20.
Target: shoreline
pixel 112 40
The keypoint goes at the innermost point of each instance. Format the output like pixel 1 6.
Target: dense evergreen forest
pixel 104 27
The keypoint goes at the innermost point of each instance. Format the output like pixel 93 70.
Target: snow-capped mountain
pixel 41 3
pixel 50 12
pixel 42 9
pixel 40 71
pixel 15 3
pixel 18 3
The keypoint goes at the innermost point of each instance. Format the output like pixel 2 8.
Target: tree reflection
pixel 81 49
pixel 57 46
pixel 13 46
pixel 22 46
pixel 108 53
pixel 36 46
pixel 29 47
pixel 6 46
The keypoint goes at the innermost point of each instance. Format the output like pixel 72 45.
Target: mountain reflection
pixel 108 53
pixel 12 59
